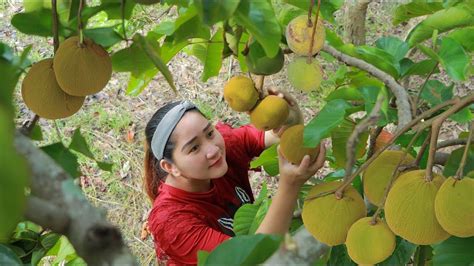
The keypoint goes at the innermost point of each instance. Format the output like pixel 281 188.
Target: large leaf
pixel 454 59
pixel 64 157
pixel 370 94
pixel 339 257
pixel 435 92
pixel 260 215
pixel 244 250
pixel 394 46
pixel 463 116
pixel 38 22
pixel 79 144
pixel 348 93
pixel 454 251
pixel 268 159
pixel 401 255
pixel 379 58
pixel 13 178
pixel 106 36
pixel 339 137
pixel 212 11
pixel 420 68
pixel 244 218
pixel 151 53
pixel 137 84
pixel 465 37
pixel 8 257
pixel 113 8
pixel 213 61
pixel 328 118
pixel 260 21
pixel 457 16
pixel 454 160
pixel 415 9
pixel 328 7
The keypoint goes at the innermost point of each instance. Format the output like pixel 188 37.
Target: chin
pixel 221 170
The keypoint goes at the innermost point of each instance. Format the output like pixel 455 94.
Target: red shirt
pixel 182 223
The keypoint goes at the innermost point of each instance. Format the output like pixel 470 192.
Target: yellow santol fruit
pixel 298 35
pixel 291 145
pixel 240 93
pixel 378 174
pixel 409 209
pixel 454 206
pixel 270 113
pixel 82 69
pixel 42 94
pixel 303 75
pixel 370 244
pixel 327 218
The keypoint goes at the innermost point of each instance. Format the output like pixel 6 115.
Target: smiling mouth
pixel 216 162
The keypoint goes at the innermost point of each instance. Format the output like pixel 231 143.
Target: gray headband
pixel 166 126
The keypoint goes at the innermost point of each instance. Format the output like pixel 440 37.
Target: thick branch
pixel 306 250
pixel 403 104
pixel 452 142
pixel 52 190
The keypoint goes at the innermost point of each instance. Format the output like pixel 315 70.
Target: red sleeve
pixel 182 236
pixel 250 138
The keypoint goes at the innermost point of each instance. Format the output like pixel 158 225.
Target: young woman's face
pixel 199 151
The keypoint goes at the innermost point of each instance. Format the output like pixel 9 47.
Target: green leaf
pixel 79 144
pixel 262 195
pixel 454 59
pixel 370 94
pixel 339 257
pixel 435 92
pixel 36 133
pixel 421 68
pixel 213 62
pixel 443 20
pixel 454 251
pixel 244 250
pixel 13 177
pixel 464 36
pixel 213 11
pixel 327 7
pixel 199 50
pixel 8 257
pixel 64 157
pixel 113 8
pixel 37 255
pixel 401 255
pixel 106 37
pixel 260 215
pixel 415 9
pixel 454 161
pixel 462 116
pixel 202 257
pixel 151 53
pixel 339 137
pixel 38 22
pixel 260 21
pixel 428 51
pixel 394 46
pixel 348 93
pixel 379 58
pixel 328 118
pixel 137 84
pixel 243 218
pixel 49 240
pixel 268 159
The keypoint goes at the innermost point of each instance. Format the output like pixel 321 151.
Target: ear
pixel 169 167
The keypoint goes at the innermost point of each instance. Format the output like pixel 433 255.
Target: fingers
pixel 321 157
pixel 302 168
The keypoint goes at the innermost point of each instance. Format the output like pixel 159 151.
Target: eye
pixel 210 133
pixel 194 148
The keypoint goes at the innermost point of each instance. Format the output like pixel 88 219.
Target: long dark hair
pixel 154 174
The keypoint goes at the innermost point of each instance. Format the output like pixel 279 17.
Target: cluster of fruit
pixel 420 211
pixel 56 87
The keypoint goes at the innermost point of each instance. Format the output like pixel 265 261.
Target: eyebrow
pixel 193 139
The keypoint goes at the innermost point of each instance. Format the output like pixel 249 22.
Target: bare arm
pixel 292 177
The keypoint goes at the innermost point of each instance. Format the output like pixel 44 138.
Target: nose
pixel 212 151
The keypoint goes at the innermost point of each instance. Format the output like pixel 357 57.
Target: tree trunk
pixel 354 21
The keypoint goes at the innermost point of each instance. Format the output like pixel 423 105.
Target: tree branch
pixel 305 249
pixel 67 210
pixel 452 142
pixel 403 104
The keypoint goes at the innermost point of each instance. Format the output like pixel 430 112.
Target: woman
pixel 196 174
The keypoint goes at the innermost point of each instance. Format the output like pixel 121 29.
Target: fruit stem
pixel 259 87
pixel 395 174
pixel 27 128
pixel 79 22
pixel 422 149
pixel 310 13
pixel 55 25
pixel 310 52
pixel 436 126
pixel 460 171
pixel 122 11
pixel 373 140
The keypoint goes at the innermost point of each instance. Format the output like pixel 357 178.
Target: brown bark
pixel 354 21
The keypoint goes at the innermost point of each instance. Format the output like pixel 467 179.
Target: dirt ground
pixel 114 122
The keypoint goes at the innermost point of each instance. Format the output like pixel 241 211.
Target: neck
pixel 188 184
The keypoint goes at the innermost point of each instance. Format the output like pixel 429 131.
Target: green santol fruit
pixel 303 75
pixel 259 63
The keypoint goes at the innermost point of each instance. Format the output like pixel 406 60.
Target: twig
pixel 460 171
pixel 395 174
pixel 417 99
pixel 436 126
pixel 310 13
pixel 55 25
pixel 351 145
pixel 403 104
pixel 452 142
pixel 260 83
pixel 79 22
pixel 311 44
pixel 422 149
pixel 122 11
pixel 373 140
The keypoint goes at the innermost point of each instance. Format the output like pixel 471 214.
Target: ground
pixel 113 122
